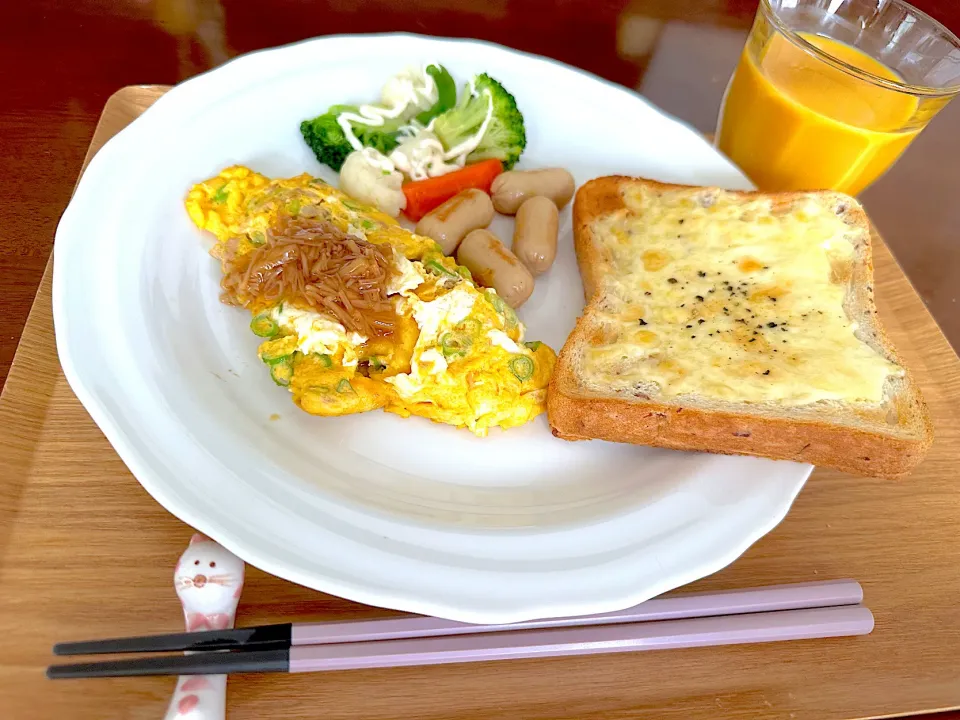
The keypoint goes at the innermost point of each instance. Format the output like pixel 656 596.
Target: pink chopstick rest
pixel 208 579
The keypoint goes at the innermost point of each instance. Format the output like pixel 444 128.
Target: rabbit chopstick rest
pixel 208 580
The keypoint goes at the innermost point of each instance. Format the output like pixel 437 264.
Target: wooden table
pixel 86 552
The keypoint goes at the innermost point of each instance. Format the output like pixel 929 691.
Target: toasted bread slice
pixel 736 323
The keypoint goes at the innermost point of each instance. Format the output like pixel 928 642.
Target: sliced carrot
pixel 424 195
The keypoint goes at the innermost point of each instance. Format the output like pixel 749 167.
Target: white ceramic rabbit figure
pixel 208 579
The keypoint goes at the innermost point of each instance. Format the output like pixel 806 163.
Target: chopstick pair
pixel 766 614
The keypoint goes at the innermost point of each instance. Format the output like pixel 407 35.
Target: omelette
pixel 356 313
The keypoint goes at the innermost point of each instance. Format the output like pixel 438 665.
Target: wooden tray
pixel 87 553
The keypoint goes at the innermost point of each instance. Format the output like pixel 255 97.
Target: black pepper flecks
pixel 642 321
pixel 766 372
pixel 746 303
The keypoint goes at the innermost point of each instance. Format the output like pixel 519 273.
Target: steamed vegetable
pixel 505 137
pixel 364 177
pixel 425 195
pixel 460 127
pixel 329 143
pixel 446 94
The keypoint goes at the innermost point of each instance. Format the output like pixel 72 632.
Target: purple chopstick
pixel 658 635
pixel 797 596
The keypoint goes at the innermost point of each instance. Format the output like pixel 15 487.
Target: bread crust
pixel 830 440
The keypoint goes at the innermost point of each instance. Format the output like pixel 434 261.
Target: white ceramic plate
pixel 400 513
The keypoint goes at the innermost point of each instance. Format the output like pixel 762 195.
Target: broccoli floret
pixel 505 137
pixel 326 138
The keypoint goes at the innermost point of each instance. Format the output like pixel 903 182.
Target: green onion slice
pixel 522 367
pixel 437 268
pixel 509 316
pixel 454 345
pixel 264 326
pixel 221 195
pixel 282 373
pixel 533 345
pixel 271 357
pixel 344 386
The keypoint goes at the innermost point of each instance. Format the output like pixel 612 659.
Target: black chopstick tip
pixel 264 637
pixel 202 663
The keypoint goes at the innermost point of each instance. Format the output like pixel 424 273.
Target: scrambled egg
pixel 457 354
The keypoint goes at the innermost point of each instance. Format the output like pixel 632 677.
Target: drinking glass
pixel 828 93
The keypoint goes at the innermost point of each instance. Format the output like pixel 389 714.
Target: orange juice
pixel 792 121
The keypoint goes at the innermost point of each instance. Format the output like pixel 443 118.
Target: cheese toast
pixel 733 322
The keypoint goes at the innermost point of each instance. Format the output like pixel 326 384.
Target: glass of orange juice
pixel 829 93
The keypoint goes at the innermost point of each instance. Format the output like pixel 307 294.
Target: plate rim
pixel 149 479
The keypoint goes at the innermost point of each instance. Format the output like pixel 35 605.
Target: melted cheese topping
pixel 732 301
